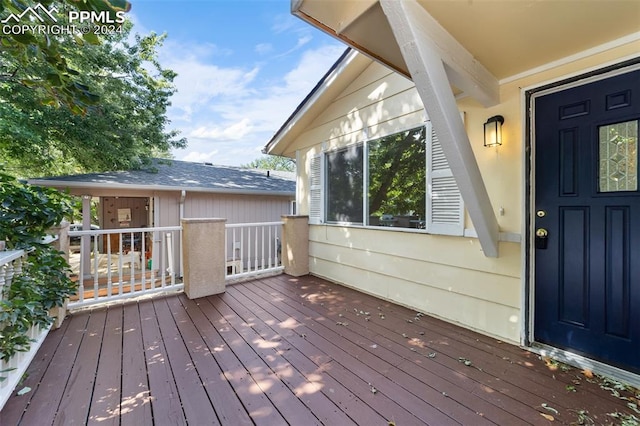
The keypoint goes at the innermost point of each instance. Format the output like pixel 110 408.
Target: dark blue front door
pixel 587 201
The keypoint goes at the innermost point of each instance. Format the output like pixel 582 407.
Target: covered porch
pixel 285 350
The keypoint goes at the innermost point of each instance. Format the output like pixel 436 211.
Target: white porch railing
pixel 253 249
pixel 114 264
pixel 12 370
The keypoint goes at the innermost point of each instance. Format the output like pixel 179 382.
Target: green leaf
pixel 91 38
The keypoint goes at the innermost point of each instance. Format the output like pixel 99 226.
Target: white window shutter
pixel 316 199
pixel 445 207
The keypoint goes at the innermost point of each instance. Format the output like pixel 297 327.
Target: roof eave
pixel 151 188
pixel 278 143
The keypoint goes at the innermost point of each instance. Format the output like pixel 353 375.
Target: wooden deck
pixel 297 351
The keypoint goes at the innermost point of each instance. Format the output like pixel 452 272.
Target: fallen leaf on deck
pixel 548 417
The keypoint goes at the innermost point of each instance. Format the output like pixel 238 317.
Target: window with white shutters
pixel 445 207
pixel 394 193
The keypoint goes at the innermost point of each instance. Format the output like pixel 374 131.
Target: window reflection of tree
pixel 397 175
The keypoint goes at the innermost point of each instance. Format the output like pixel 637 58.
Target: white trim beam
pixel 464 71
pixel 425 63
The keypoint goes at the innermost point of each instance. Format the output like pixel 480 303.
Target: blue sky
pixel 243 66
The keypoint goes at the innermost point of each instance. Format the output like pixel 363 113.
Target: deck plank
pixel 135 405
pixel 224 400
pixel 46 399
pixel 195 401
pixel 449 378
pixel 272 354
pixel 435 408
pixel 107 390
pixel 212 329
pixel 276 350
pixel 76 399
pixel 358 382
pixel 15 406
pixel 165 401
pixel 301 359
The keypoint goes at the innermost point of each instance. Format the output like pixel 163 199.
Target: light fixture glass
pixel 493 131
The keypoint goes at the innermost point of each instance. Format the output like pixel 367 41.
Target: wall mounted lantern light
pixel 493 131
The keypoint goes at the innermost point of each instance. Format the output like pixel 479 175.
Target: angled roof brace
pixel 414 30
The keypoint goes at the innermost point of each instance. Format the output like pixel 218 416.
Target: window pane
pixel 397 181
pixel 344 185
pixel 618 147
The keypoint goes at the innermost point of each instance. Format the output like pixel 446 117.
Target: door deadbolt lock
pixel 542 237
pixel 541 213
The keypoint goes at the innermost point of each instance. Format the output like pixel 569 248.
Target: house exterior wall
pixel 445 276
pixel 237 208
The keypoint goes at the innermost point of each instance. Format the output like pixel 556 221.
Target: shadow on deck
pixel 290 350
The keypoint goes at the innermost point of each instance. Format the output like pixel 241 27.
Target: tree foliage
pixel 272 162
pixel 26 214
pixel 397 174
pixel 61 84
pixel 87 104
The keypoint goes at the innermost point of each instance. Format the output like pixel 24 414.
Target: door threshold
pixel 585 363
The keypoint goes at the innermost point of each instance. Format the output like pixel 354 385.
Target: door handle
pixel 542 237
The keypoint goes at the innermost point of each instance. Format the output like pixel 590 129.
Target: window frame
pixel 432 225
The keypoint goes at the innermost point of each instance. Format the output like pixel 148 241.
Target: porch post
pixel 61 244
pixel 85 256
pixel 204 256
pixel 295 245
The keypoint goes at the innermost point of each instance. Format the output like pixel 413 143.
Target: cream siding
pixel 445 276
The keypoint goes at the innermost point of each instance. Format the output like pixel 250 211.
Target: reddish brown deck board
pixel 417 370
pixel 301 353
pixel 258 406
pixel 106 392
pixel 435 408
pixel 391 345
pixel 527 374
pixel 195 402
pixel 14 408
pixel 271 352
pixel 226 405
pixel 390 400
pixel 135 405
pixel 76 400
pixel 165 401
pixel 46 397
pixel 516 378
pixel 291 409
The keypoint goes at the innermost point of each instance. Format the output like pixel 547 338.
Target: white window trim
pixel 317 182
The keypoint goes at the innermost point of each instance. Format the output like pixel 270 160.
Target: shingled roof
pixel 166 175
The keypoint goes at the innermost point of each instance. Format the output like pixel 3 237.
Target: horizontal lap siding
pixel 445 276
pixel 428 273
pixel 237 208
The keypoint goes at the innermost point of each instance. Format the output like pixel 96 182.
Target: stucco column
pixel 204 257
pixel 295 245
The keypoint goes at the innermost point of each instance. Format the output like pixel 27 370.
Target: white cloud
pixel 235 131
pixel 229 114
pixel 263 48
pixel 200 157
pixel 282 23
